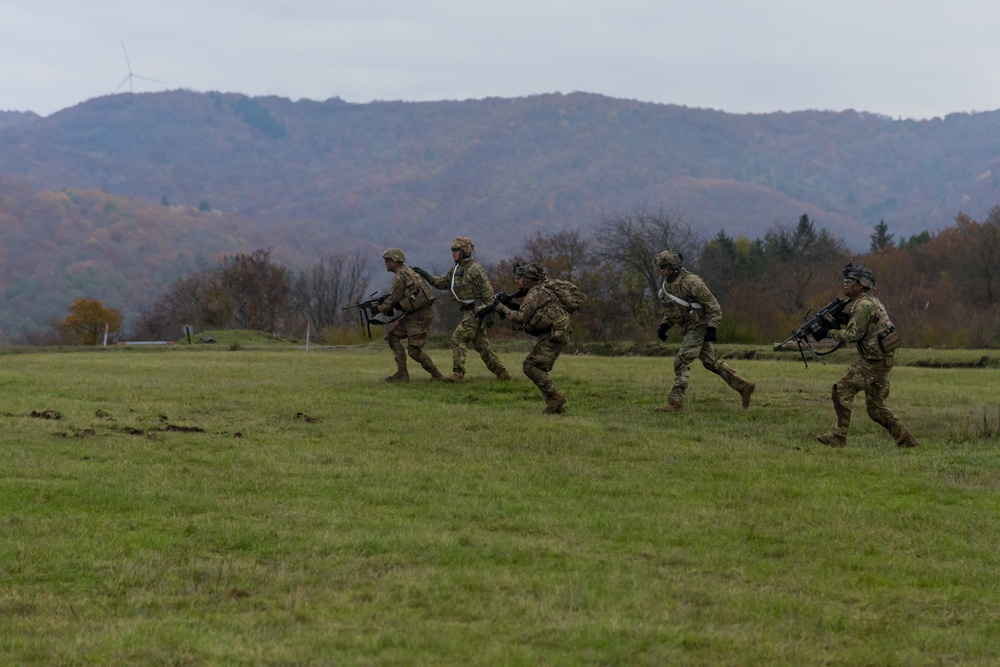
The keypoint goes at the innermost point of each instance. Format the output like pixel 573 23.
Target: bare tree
pixel 321 291
pixel 627 245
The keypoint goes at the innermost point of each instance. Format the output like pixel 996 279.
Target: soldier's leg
pixel 460 339
pixel 416 341
pixel 689 350
pixel 537 366
pixel 394 339
pixel 710 360
pixel 482 345
pixel 875 394
pixel 843 394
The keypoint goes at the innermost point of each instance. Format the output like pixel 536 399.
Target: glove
pixel 661 333
pixel 420 272
pixel 710 335
pixel 821 333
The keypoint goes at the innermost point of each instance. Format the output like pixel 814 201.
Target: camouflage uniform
pixel 688 302
pixel 469 284
pixel 414 297
pixel 541 314
pixel 870 373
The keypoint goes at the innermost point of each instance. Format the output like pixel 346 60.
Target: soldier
pixel 469 286
pixel 415 298
pixel 541 314
pixel 689 303
pixel 876 338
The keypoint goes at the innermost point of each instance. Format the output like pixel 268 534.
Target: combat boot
pixel 454 377
pixel 399 376
pixel 670 407
pixel 908 441
pixel 503 375
pixel 832 440
pixel 436 376
pixel 746 392
pixel 554 405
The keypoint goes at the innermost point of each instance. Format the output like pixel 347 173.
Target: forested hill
pixel 307 177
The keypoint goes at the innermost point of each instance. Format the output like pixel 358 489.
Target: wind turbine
pixel 128 79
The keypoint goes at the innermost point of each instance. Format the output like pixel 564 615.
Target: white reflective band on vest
pixel 677 299
pixel 453 288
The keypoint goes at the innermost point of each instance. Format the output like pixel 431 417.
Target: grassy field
pixel 227 505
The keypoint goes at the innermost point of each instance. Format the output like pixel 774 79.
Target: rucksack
pixel 569 295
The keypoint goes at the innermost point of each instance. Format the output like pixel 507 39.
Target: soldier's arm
pixel 482 289
pixel 713 311
pixel 855 328
pixel 437 282
pixel 395 295
pixel 529 306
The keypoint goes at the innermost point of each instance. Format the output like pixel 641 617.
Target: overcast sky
pixel 901 58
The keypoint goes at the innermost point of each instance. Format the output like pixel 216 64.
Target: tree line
pixel 941 289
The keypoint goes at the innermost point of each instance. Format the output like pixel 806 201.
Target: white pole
pixel 308 325
pixel 105 334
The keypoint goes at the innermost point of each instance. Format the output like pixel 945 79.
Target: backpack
pixel 569 295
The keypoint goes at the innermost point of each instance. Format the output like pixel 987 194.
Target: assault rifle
pixel 830 316
pixel 367 311
pixel 498 298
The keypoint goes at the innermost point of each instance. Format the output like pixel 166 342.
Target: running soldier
pixel 415 299
pixel 471 287
pixel 689 303
pixel 541 314
pixel 876 338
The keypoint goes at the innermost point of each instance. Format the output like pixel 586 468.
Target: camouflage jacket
pixel 409 292
pixel 541 312
pixel 868 318
pixel 701 308
pixel 468 283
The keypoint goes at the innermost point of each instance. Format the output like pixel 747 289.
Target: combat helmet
pixel 529 270
pixel 671 258
pixel 865 277
pixel 465 245
pixel 395 254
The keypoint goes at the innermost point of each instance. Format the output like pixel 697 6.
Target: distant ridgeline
pixel 124 193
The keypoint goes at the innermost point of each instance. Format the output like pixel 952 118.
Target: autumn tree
pixel 800 262
pixel 87 321
pixel 258 288
pixel 728 262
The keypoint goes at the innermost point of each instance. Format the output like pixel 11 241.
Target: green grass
pixel 226 505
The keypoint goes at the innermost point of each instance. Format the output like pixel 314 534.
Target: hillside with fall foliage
pixel 115 197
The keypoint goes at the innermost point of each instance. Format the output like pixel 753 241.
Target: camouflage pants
pixel 694 346
pixel 539 362
pixel 872 377
pixel 473 331
pixel 411 327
